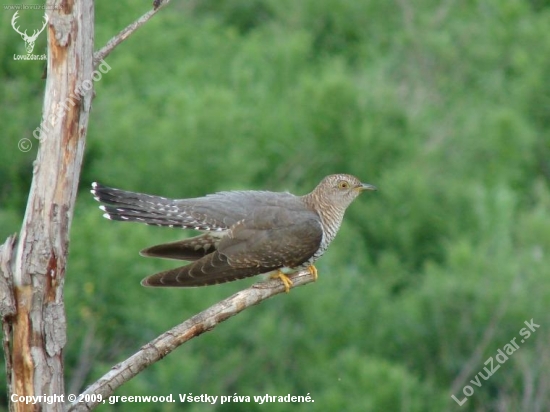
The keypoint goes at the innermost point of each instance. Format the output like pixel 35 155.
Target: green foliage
pixel 443 105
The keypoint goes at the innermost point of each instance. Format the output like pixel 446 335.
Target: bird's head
pixel 340 190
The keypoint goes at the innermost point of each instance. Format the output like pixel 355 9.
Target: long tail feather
pixel 128 206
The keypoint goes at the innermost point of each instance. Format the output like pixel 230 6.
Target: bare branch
pixel 191 328
pixel 126 32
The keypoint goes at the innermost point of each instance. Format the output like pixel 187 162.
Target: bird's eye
pixel 342 184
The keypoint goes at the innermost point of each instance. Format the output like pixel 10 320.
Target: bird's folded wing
pixel 270 239
pixel 273 236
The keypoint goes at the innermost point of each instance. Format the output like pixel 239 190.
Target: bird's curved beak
pixel 365 186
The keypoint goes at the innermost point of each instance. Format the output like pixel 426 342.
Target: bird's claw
pixel 284 278
pixel 313 271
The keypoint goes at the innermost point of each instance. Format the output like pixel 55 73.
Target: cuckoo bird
pixel 245 233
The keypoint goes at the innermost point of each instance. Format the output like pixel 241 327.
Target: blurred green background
pixel 443 105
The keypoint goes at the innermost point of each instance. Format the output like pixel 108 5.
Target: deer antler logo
pixel 29 40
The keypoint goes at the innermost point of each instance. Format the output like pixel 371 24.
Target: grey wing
pixel 270 239
pixel 225 209
pixel 273 236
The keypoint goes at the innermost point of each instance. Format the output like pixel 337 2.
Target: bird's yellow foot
pixel 313 270
pixel 284 278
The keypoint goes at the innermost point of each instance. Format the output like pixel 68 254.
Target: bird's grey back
pixel 224 209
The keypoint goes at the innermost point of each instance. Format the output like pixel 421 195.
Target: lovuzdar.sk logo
pixel 29 40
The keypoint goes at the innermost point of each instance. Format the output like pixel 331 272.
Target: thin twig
pixel 125 33
pixel 191 328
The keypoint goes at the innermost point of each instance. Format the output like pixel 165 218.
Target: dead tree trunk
pixel 33 265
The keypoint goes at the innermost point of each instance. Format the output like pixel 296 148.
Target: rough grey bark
pixel 33 266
